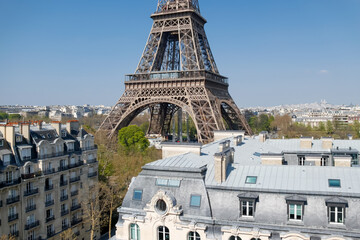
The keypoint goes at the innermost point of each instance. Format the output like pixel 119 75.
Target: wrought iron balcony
pixel 11 200
pixel 89 161
pixel 13 217
pixel 75 221
pixel 31 175
pixel 51 155
pixel 63 183
pixel 49 171
pixel 63 168
pixel 77 164
pixel 74 179
pixel 65 227
pixel 74 193
pixel 50 218
pixel 32 225
pixel 64 212
pixel 49 187
pixel 30 208
pixel 93 174
pixel 89 148
pixel 64 198
pixel 14 233
pixel 49 203
pixel 10 182
pixel 51 233
pixel 30 192
pixel 75 207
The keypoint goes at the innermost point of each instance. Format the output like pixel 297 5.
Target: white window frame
pixel 336 212
pixel 136 232
pixel 165 231
pixel 301 160
pixel 248 206
pixel 296 207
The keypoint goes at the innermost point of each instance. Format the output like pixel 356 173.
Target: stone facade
pixel 45 173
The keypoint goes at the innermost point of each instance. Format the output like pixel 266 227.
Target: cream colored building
pixel 46 172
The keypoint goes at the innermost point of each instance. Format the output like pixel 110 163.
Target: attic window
pixel 195 200
pixel 18 138
pixel 335 183
pixel 49 135
pixel 63 133
pixel 251 180
pixel 137 195
pixel 167 182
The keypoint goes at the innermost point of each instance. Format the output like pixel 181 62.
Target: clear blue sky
pixel 273 51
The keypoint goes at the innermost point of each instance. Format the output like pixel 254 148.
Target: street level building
pixel 232 190
pixel 46 170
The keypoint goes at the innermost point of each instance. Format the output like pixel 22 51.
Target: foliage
pixel 329 127
pixel 6 237
pixel 14 116
pixel 3 116
pixel 133 139
pixel 356 128
pixel 261 123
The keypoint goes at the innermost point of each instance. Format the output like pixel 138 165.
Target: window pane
pixel 195 200
pixel 334 183
pixel 174 183
pixel 251 180
pixel 137 195
pixel 161 182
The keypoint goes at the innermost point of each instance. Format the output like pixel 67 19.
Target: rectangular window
pixel 162 182
pixel 251 180
pixel 7 159
pixel 247 208
pixel 137 195
pixel 336 214
pixel 324 161
pixel 301 160
pixel 295 211
pixel 334 183
pixel 168 182
pixel 195 200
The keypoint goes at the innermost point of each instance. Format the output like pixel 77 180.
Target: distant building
pixel 245 188
pixel 45 172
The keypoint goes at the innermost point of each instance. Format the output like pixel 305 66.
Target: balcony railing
pixel 14 233
pixel 49 171
pixel 64 212
pixel 31 175
pixel 77 164
pixel 51 155
pixel 51 234
pixel 74 179
pixel 64 198
pixel 30 208
pixel 89 148
pixel 49 203
pixel 30 192
pixel 74 193
pixel 13 217
pixel 63 183
pixel 49 187
pixel 93 174
pixel 65 227
pixel 174 75
pixel 89 161
pixel 11 200
pixel 75 207
pixel 32 225
pixel 63 168
pixel 75 221
pixel 10 182
pixel 50 218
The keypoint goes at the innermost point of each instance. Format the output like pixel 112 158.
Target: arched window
pixel 193 236
pixel 234 238
pixel 134 232
pixel 163 233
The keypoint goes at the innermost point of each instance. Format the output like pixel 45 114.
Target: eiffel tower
pixel 177 72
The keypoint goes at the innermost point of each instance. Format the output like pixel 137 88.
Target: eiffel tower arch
pixel 177 71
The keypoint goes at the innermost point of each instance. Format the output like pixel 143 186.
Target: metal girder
pixel 177 70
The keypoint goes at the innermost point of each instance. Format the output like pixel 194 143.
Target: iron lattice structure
pixel 177 71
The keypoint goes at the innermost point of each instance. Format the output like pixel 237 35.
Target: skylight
pixel 251 180
pixel 334 183
pixel 137 195
pixel 195 200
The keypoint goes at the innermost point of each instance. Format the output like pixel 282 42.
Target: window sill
pixel 337 225
pixel 246 219
pixel 295 222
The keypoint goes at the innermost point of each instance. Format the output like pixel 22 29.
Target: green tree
pixel 14 117
pixel 329 127
pixel 132 138
pixel 322 127
pixel 3 116
pixel 356 128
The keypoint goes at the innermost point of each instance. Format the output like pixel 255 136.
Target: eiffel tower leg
pixel 233 117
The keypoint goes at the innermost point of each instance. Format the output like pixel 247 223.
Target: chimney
pixel 72 125
pixel 57 126
pixel 10 136
pixel 40 124
pixel 263 136
pixel 222 160
pixel 350 137
pixel 327 143
pixel 306 143
pixel 223 146
pixel 25 131
pixel 237 140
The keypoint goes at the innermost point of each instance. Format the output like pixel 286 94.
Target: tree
pixel 356 128
pixel 322 127
pixel 94 205
pixel 329 127
pixel 3 116
pixel 113 200
pixel 15 117
pixel 68 235
pixel 132 138
pixel 7 237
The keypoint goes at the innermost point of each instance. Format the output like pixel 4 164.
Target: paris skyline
pixel 274 52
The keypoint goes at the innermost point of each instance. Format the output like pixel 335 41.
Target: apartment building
pixel 229 190
pixel 46 172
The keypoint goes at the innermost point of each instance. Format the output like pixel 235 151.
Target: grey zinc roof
pixel 289 179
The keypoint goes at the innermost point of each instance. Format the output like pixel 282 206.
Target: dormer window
pixel 63 133
pixel 42 136
pixel 6 159
pixel 70 146
pixel 26 153
pixel 18 138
